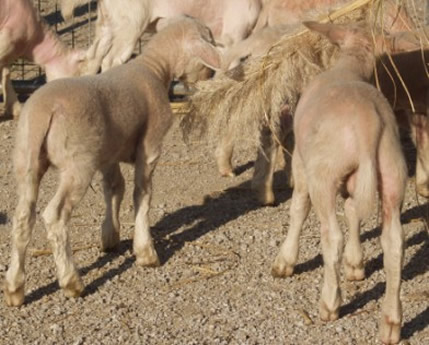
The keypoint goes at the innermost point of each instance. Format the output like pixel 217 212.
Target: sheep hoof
pixel 354 273
pixel 227 173
pixel 147 258
pixel 73 288
pixel 265 196
pixel 14 298
pixel 281 269
pixel 110 243
pixel 390 331
pixel 328 315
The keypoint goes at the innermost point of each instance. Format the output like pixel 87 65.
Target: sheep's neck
pixel 357 66
pixel 159 65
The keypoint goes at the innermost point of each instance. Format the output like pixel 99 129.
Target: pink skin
pixel 24 35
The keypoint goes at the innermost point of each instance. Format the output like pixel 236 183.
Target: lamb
pixel 74 134
pixel 347 140
pixel 24 34
pixel 274 14
pixel 119 26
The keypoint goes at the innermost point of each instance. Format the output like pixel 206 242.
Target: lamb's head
pixel 196 49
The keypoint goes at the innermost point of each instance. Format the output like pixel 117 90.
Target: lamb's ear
pixel 208 54
pixel 335 33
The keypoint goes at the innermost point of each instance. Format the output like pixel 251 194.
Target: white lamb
pixel 81 125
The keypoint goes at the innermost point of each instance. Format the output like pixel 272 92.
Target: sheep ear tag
pixel 208 54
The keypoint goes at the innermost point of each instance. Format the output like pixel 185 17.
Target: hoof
pixel 147 258
pixel 328 315
pixel 73 288
pixel 227 173
pixel 110 243
pixel 354 273
pixel 390 331
pixel 14 298
pixel 281 269
pixel 264 196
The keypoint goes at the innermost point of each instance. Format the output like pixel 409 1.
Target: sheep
pixel 347 140
pixel 119 25
pixel 69 124
pixel 273 15
pixel 24 34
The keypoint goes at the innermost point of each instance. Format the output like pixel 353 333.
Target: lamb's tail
pixel 30 139
pixel 68 6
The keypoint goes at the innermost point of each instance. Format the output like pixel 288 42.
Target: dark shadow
pixel 243 168
pixel 419 323
pixel 123 247
pixel 201 219
pixel 361 299
pixel 3 218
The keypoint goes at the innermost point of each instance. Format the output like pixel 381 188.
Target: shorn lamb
pixel 23 34
pixel 120 25
pixel 347 140
pixel 69 124
pixel 275 14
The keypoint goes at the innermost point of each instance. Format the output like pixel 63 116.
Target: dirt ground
pixel 216 246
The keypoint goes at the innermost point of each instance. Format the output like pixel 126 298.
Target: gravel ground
pixel 216 246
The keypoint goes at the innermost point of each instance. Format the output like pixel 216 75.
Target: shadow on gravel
pixel 53 287
pixel 3 218
pixel 201 219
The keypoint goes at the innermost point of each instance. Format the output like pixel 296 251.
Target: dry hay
pixel 243 100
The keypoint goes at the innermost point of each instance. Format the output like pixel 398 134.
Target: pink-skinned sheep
pixel 347 141
pixel 275 14
pixel 23 34
pixel 119 25
pixel 69 124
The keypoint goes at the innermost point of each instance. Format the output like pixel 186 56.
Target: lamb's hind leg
pixel 23 223
pixel 143 246
pixel 114 187
pixel 353 255
pixel 323 198
pixel 300 207
pixel 393 176
pixel 72 187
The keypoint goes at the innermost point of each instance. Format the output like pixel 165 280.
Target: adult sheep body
pixel 120 25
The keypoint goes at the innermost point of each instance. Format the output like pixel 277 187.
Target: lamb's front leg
pixel 143 244
pixel 300 207
pixel 114 187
